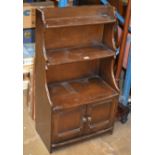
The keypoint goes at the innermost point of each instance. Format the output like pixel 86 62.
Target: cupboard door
pixel 100 115
pixel 68 123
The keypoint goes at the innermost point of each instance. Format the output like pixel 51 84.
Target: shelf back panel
pixel 82 11
pixel 72 71
pixel 73 36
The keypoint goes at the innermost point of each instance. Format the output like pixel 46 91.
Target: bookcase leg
pixel 51 150
pixel 111 131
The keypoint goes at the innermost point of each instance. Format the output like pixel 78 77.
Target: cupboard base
pixel 78 139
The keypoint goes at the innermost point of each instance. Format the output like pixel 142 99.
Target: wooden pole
pixel 123 43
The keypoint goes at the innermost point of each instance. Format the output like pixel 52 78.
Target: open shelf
pixel 83 53
pixel 79 21
pixel 83 15
pixel 80 92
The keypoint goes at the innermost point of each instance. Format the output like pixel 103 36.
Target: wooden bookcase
pixel 75 91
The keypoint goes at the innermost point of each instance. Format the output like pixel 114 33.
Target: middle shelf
pixel 79 92
pixel 79 53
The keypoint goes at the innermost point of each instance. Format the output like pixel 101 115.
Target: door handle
pixel 89 119
pixel 84 120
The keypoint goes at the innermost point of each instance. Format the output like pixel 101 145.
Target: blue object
pixel 117 51
pixel 121 20
pixel 29 35
pixel 29 1
pixel 28 50
pixel 26 13
pixel 75 2
pixel 127 84
pixel 62 3
pixel 105 2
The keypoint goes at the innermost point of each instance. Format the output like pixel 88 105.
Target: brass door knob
pixel 84 119
pixel 89 119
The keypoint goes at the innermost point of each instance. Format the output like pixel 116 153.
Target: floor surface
pixel 119 143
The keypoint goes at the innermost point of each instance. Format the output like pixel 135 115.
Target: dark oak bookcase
pixel 75 91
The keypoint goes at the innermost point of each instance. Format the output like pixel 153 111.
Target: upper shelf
pixel 76 16
pixel 78 21
pixel 75 54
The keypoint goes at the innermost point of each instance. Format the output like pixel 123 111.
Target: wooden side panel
pixel 72 71
pixel 108 35
pixel 101 115
pixel 106 72
pixel 68 124
pixel 66 37
pixel 42 100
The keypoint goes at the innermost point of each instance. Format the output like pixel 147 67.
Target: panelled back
pixel 73 36
pixel 72 71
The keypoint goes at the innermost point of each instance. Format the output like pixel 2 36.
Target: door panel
pixel 68 123
pixel 100 115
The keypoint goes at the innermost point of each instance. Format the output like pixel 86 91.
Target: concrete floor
pixel 117 144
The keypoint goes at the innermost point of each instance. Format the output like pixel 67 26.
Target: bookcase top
pixel 77 16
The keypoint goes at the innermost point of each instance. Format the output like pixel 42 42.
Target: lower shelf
pixel 78 92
